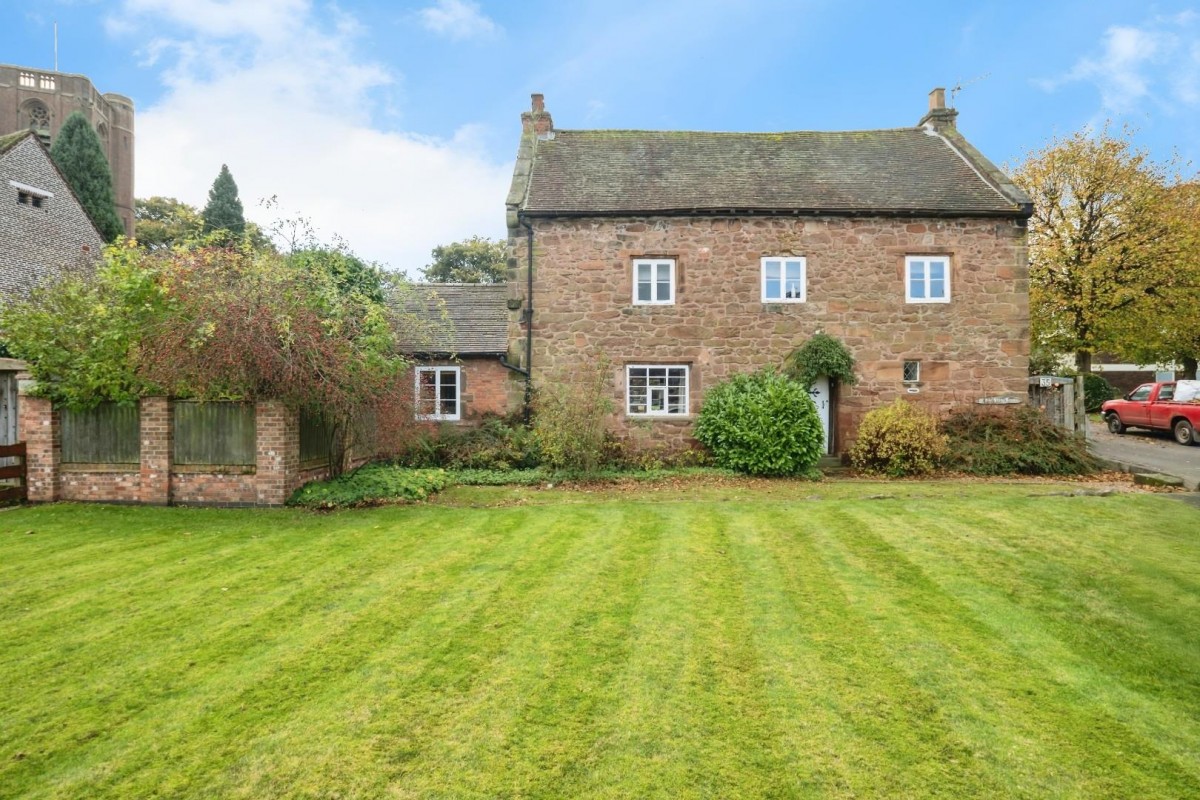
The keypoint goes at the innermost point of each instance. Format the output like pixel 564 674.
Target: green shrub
pixel 1096 390
pixel 498 477
pixel 641 453
pixel 762 424
pixel 569 418
pixel 1017 441
pixel 372 484
pixel 497 443
pixel 898 440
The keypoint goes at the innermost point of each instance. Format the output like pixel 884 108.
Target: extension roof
pixel 464 318
pixel 902 171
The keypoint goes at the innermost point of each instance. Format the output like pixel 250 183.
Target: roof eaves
pixel 1014 211
pixel 992 175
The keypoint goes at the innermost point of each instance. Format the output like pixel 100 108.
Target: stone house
pixel 686 257
pixel 43 229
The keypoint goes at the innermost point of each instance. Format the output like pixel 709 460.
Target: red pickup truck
pixel 1172 406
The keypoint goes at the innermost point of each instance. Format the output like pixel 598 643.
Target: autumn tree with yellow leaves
pixel 1110 248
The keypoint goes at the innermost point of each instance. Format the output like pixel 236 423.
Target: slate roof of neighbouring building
pixel 36 243
pixel 902 171
pixel 461 318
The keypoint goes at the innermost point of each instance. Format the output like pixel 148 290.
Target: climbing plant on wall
pixel 820 355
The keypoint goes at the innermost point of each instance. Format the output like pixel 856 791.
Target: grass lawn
pixel 944 640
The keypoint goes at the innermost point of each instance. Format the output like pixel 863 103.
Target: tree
pixel 164 222
pixel 80 332
pixel 318 332
pixel 79 156
pixel 474 260
pixel 1166 327
pixel 1101 242
pixel 224 209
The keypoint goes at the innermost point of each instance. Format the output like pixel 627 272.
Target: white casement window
pixel 783 279
pixel 927 279
pixel 653 281
pixel 656 391
pixel 438 393
pixel 912 371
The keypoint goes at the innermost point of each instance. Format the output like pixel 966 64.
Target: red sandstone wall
pixel 975 345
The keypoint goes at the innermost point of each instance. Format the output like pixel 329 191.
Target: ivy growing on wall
pixel 820 355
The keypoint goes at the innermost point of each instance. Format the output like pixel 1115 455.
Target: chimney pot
pixel 937 99
pixel 539 102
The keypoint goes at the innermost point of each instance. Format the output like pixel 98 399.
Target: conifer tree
pixel 80 158
pixel 224 209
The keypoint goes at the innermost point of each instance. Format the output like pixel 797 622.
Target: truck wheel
pixel 1115 425
pixel 1184 432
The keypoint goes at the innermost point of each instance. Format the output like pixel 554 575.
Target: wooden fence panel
pixel 221 434
pixel 107 434
pixel 315 438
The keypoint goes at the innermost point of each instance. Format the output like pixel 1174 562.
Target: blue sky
pixel 394 124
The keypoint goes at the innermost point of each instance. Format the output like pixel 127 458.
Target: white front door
pixel 820 396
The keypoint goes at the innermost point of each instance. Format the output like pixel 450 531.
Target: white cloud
pixel 458 19
pixel 279 96
pixel 1154 62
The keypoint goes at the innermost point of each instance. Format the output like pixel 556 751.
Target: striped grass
pixel 781 640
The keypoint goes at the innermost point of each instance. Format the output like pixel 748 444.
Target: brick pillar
pixel 278 445
pixel 40 430
pixel 157 438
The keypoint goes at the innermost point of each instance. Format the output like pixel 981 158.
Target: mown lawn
pixel 946 640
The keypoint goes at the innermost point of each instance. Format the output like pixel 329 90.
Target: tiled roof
pixel 902 170
pixel 463 318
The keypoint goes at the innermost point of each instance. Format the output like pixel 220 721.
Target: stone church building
pixel 41 100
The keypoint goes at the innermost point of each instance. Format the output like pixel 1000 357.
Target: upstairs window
pixel 654 281
pixel 912 371
pixel 438 393
pixel 927 279
pixel 783 279
pixel 656 391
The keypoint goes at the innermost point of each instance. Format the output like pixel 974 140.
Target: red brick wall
pixel 156 481
pixel 235 488
pixel 100 485
pixel 278 438
pixel 39 429
pixel 157 436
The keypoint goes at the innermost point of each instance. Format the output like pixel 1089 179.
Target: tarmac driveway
pixel 1151 452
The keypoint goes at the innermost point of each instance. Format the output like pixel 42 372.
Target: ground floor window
pixel 656 390
pixel 437 394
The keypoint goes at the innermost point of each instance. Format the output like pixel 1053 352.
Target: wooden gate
pixel 1060 400
pixel 12 476
pixel 8 407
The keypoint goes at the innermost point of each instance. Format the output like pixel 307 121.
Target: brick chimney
pixel 537 120
pixel 939 117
